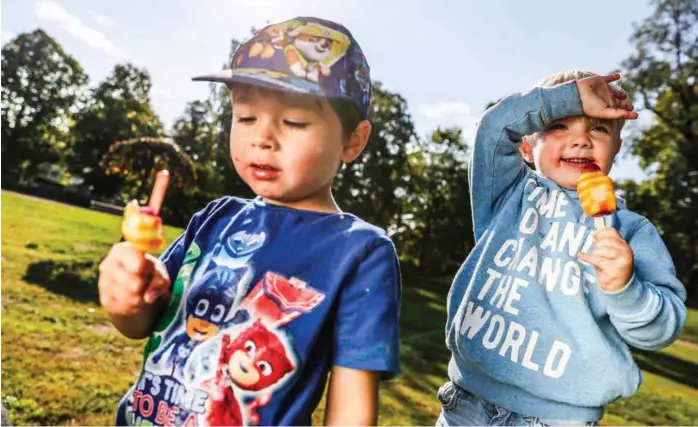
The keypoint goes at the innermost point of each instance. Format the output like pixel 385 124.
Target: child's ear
pixel 526 150
pixel 357 142
pixel 620 143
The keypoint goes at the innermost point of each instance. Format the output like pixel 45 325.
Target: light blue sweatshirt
pixel 528 327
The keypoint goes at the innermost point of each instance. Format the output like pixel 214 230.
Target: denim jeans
pixel 461 408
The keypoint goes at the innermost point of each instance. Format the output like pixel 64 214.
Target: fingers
pixel 625 105
pixel 619 93
pixel 621 100
pixel 124 277
pixel 608 246
pixel 136 270
pixel 159 284
pixel 604 233
pixel 608 253
pixel 595 260
pixel 130 258
pixel 612 77
pixel 618 113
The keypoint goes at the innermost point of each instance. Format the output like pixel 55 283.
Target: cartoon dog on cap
pixel 310 48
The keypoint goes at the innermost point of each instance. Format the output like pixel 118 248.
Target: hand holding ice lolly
pixel 142 226
pixel 612 256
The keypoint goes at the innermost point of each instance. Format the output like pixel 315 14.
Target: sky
pixel 447 58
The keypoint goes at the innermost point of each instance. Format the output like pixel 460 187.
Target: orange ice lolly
pixel 142 226
pixel 596 195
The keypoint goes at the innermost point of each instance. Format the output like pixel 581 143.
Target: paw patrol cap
pixel 303 55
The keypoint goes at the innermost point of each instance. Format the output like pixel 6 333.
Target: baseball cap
pixel 303 55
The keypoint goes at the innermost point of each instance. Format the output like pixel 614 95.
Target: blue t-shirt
pixel 265 300
pixel 528 325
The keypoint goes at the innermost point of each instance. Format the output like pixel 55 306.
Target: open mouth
pixel 576 162
pixel 243 369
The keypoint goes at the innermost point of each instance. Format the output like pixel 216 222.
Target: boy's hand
pixel 129 279
pixel 612 258
pixel 601 101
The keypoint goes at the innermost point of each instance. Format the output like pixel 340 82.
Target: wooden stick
pixel 601 222
pixel 162 179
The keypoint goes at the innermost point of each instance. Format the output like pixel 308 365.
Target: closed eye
pixel 245 119
pixel 295 124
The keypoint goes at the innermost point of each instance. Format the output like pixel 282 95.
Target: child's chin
pixel 566 179
pixel 568 182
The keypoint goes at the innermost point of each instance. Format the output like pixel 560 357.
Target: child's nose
pixel 263 143
pixel 580 140
pixel 265 138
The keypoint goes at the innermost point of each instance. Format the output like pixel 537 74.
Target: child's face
pixel 562 150
pixel 288 147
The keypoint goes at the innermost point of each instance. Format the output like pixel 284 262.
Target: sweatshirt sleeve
pixel 496 165
pixel 650 311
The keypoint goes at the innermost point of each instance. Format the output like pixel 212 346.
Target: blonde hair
pixel 574 75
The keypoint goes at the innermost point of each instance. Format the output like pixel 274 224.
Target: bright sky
pixel 448 58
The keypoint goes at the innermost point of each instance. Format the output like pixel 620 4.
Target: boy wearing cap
pixel 259 300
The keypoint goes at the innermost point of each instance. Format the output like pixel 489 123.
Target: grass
pixel 690 329
pixel 63 364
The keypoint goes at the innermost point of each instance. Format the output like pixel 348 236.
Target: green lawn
pixel 62 363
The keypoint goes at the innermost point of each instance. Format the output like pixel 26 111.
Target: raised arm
pixel 496 165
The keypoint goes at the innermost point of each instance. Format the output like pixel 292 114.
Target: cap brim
pixel 288 84
pixel 224 76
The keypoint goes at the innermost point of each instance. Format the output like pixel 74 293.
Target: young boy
pixel 259 300
pixel 542 314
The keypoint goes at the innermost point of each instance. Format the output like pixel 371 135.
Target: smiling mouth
pixel 577 160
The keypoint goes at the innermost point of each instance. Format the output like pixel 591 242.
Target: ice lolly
pixel 142 226
pixel 595 190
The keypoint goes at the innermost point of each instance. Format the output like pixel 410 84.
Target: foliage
pixel 662 77
pixel 119 109
pixel 137 160
pixel 41 87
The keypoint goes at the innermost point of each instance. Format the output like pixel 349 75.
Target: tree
pixel 662 78
pixel 437 232
pixel 119 109
pixel 136 160
pixel 196 132
pixel 371 186
pixel 41 85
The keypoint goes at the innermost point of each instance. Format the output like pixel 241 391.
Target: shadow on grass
pixel 668 366
pixel 76 280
